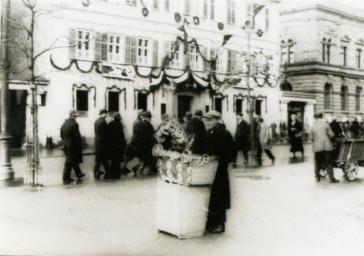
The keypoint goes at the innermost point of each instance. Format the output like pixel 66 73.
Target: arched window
pixel 358 98
pixel 344 97
pixel 290 46
pixel 283 52
pixel 328 96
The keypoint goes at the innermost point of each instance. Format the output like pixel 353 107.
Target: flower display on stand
pixel 171 136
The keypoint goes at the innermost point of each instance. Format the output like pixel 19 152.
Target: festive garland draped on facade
pixel 74 86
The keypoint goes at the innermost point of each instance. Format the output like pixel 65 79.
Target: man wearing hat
pixel 117 144
pixel 218 142
pixel 196 132
pixel 138 120
pixel 101 145
pixel 72 142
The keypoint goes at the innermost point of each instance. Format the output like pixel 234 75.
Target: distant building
pixel 112 54
pixel 321 52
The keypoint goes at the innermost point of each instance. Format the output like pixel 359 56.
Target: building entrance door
pixel 17 120
pixel 184 105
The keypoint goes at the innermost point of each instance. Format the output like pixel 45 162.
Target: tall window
pixel 195 58
pixel 166 5
pixel 239 105
pixel 187 7
pixel 218 104
pixel 231 11
pixel 155 4
pixel 144 51
pixel 212 9
pixel 344 97
pixel 84 49
pixel 266 19
pixel 358 98
pixel 204 9
pixel 113 102
pixel 358 58
pixel 283 52
pixel 176 48
pixel 114 53
pixel 327 96
pixel 343 55
pixel 82 100
pixel 290 47
pixel 326 44
pixel 258 107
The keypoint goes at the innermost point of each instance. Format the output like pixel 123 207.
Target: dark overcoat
pixel 219 142
pixel 355 129
pixel 142 142
pixel 72 141
pixel 242 136
pixel 336 128
pixel 117 140
pixel 295 135
pixel 196 128
pixel 101 139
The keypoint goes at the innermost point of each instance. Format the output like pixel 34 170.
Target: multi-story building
pixel 165 56
pixel 321 52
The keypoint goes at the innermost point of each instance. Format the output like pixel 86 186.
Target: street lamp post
pixel 6 170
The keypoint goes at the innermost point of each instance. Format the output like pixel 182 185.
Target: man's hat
pixel 117 116
pixel 140 112
pixel 213 114
pixel 188 115
pixel 103 111
pixel 146 114
pixel 73 113
pixel 165 117
pixel 239 114
pixel 198 112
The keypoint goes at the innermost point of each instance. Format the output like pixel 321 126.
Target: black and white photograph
pixel 182 127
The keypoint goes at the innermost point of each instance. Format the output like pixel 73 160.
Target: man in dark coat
pixel 336 128
pixel 219 142
pixel 295 136
pixel 355 128
pixel 196 131
pixel 242 136
pixel 187 119
pixel 142 143
pixel 117 145
pixel 101 145
pixel 72 141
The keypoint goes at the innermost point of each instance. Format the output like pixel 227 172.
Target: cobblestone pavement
pixel 277 210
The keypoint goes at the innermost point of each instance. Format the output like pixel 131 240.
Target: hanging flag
pixel 226 39
pixel 257 8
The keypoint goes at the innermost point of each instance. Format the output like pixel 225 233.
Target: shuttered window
pixel 84 44
pixel 130 50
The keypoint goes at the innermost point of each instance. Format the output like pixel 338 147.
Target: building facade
pixel 165 56
pixel 321 53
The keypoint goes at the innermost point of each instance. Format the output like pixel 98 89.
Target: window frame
pixel 84 50
pixel 344 97
pixel 114 45
pixel 146 49
pixel 230 15
pixel 87 104
pixel 328 96
pixel 117 93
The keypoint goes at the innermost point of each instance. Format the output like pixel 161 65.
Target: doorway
pixel 184 105
pixel 297 108
pixel 17 120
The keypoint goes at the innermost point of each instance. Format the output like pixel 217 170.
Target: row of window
pixel 287 53
pixel 201 8
pixel 122 49
pixel 113 103
pixel 328 97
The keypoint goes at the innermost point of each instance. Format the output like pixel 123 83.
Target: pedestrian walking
pixel 139 151
pixel 101 145
pixel 117 144
pixel 137 120
pixel 242 136
pixel 265 142
pixel 72 146
pixel 322 136
pixel 196 131
pixel 336 128
pixel 295 135
pixel 219 142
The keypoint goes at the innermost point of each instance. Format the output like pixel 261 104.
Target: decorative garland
pixel 119 90
pixel 196 20
pixel 222 97
pixel 73 61
pixel 79 87
pixel 145 11
pixel 177 17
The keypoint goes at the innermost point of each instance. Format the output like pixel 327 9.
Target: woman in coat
pixel 218 142
pixel 295 135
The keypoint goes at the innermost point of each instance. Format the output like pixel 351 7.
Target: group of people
pixel 347 129
pixel 209 137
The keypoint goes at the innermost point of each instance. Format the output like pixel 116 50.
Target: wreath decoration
pixel 171 136
pixel 177 17
pixel 196 20
pixel 220 25
pixel 145 11
pixel 259 32
pixel 86 3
